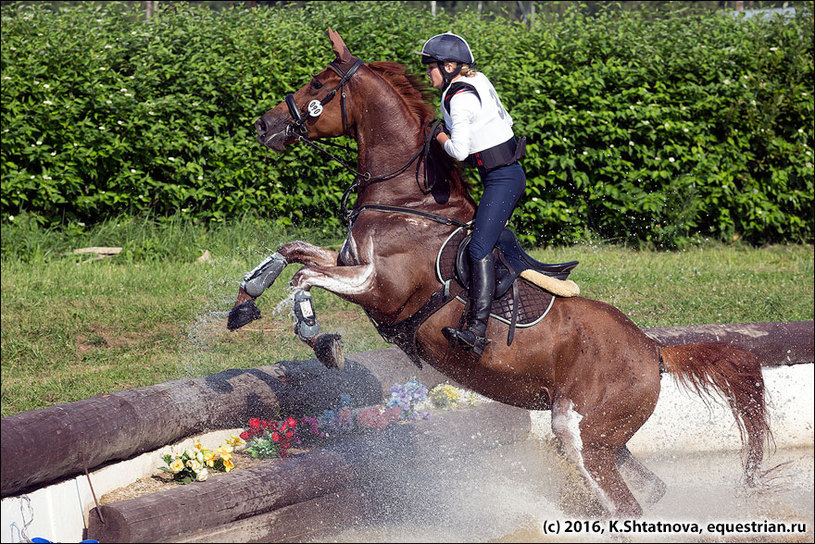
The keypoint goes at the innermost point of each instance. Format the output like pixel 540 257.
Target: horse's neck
pixel 388 136
pixel 386 139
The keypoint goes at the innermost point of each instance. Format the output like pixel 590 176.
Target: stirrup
pixel 467 339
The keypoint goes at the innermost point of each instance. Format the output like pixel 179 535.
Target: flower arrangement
pixel 444 396
pixel 194 464
pixel 265 439
pixel 407 397
pixel 268 439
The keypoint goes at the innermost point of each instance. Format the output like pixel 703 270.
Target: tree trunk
pixel 774 344
pixel 244 493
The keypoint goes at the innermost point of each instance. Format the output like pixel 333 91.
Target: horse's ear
pixel 339 47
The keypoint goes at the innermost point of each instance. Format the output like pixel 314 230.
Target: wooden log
pixel 315 520
pixel 244 493
pixel 42 446
pixel 774 344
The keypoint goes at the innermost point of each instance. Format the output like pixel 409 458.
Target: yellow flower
pixel 209 458
pixel 198 445
pixel 202 475
pixel 177 465
pixel 225 451
pixel 235 441
pixel 228 464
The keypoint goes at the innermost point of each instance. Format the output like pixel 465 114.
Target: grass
pixel 74 329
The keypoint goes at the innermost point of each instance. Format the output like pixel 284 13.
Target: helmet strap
pixel 448 77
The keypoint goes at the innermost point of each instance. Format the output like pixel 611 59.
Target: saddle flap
pixel 504 276
pixel 524 305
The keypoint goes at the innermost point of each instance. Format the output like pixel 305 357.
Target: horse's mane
pixel 418 96
pixel 416 93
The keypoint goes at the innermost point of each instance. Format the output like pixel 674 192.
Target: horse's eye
pixel 316 83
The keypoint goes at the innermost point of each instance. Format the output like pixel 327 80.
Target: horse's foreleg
pixel 640 477
pixel 255 282
pixel 263 275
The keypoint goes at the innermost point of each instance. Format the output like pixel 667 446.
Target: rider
pixel 479 130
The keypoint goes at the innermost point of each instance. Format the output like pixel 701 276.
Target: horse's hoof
pixel 328 349
pixel 242 314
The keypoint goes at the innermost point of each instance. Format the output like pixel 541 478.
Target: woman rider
pixel 479 130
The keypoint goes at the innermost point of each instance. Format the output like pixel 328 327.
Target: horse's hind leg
pixel 640 477
pixel 597 464
pixel 601 465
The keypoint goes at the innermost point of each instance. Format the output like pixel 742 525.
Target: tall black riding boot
pixel 482 289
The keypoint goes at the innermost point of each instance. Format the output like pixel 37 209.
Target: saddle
pixel 516 302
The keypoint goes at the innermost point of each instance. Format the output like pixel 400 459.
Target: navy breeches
pixel 503 188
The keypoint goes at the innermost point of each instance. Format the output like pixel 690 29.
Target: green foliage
pixel 652 130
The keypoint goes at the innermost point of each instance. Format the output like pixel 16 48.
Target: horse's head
pixel 316 110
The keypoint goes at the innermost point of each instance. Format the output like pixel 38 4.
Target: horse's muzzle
pixel 271 136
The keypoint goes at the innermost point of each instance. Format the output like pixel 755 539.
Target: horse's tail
pixel 735 374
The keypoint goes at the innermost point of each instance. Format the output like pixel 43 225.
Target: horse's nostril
pixel 260 126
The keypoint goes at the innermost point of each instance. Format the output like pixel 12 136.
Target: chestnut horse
pixel 596 371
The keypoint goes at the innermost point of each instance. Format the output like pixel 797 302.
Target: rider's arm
pixel 463 111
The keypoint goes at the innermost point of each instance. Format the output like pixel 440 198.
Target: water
pixel 508 496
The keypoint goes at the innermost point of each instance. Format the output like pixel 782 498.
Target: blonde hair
pixel 467 71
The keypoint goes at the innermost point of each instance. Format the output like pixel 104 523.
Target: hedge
pixel 655 130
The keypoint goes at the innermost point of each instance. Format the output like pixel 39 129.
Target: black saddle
pixel 510 261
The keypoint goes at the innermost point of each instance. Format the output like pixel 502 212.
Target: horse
pixel 587 362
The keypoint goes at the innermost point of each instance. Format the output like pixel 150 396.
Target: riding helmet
pixel 446 47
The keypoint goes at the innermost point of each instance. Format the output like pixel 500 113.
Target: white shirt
pixel 475 125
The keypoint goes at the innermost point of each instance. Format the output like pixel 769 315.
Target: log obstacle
pixel 279 483
pixel 774 344
pixel 92 432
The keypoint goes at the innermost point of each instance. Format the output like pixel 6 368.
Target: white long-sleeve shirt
pixel 475 125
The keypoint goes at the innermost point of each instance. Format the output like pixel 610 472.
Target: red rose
pixel 254 422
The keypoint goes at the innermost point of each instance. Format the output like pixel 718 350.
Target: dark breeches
pixel 503 188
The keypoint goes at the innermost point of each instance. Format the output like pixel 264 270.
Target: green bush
pixel 648 130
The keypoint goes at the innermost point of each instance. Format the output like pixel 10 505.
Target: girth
pixel 403 333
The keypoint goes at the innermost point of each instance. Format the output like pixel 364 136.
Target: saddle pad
pixel 534 302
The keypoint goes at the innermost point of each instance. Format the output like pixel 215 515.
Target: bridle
pixel 315 109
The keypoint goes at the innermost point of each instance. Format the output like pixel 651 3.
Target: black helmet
pixel 446 48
